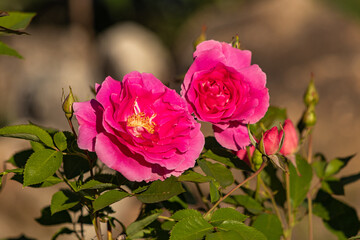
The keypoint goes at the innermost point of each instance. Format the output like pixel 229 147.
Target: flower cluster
pixel 146 131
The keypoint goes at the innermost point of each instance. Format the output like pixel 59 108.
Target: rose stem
pixel 290 220
pixel 236 187
pixel 309 198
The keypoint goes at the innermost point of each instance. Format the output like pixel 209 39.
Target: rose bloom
pixel 223 88
pixel 140 128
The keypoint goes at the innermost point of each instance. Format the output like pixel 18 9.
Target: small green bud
pixel 309 117
pixel 311 96
pixel 236 42
pixel 257 159
pixel 201 38
pixel 67 105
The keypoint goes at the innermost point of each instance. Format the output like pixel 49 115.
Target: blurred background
pixel 80 42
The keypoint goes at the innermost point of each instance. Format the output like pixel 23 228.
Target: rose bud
pixel 291 140
pixel 269 143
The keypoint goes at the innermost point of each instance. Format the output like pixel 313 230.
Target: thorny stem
pixel 235 188
pixel 289 212
pixel 309 195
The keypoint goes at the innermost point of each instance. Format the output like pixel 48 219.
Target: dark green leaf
pixel 273 116
pixel 6 50
pixel 269 225
pixel 228 235
pixel 63 200
pixel 191 176
pixel 41 165
pixel 60 141
pixel 299 185
pixel 333 186
pixel 217 171
pixel 319 165
pixel 335 165
pixel 341 219
pixel 57 218
pixel 19 159
pixel 137 226
pixel 62 231
pixel 16 20
pixel 94 184
pixel 161 190
pixel 108 198
pixel 185 213
pixel 168 225
pixel 246 201
pixel 213 156
pixel 244 232
pixel 27 132
pixel 214 191
pixel 75 166
pixel 191 228
pixel 224 214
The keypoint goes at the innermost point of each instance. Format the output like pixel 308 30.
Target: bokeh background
pixel 80 42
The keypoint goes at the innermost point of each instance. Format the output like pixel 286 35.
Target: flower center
pixel 139 121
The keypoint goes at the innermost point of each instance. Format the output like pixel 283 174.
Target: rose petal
pixel 234 137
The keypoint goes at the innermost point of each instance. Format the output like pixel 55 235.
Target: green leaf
pixel 228 235
pixel 62 231
pixel 75 166
pixel 36 146
pixel 247 202
pixel 214 191
pixel 191 176
pixel 338 217
pixel 60 141
pixel 223 160
pixel 57 218
pixel 94 184
pixel 28 132
pixel 108 198
pixel 19 159
pixel 269 225
pixel 225 214
pixel 161 190
pixel 333 186
pixel 244 232
pixel 41 165
pixel 6 50
pixel 63 200
pixel 16 20
pixel 139 225
pixel 217 171
pixel 299 185
pixel 335 165
pixel 50 181
pixel 319 165
pixel 191 228
pixel 185 213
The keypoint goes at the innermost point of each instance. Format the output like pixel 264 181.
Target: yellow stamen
pixel 141 120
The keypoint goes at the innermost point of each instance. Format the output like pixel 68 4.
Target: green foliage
pixel 300 181
pixel 135 229
pixel 191 228
pixel 218 171
pixel 41 165
pixel 224 214
pixel 269 225
pixel 63 200
pixel 161 190
pixel 108 198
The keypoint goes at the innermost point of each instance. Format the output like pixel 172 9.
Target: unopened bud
pixel 67 105
pixel 311 96
pixel 236 42
pixel 201 38
pixel 257 159
pixel 309 117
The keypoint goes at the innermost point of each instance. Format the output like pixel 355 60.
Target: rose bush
pixel 140 128
pixel 223 88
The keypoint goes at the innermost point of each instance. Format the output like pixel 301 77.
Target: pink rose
pixel 223 88
pixel 291 140
pixel 140 128
pixel 271 141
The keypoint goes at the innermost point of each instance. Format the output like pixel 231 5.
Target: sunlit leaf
pixel 269 225
pixel 192 228
pixel 109 198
